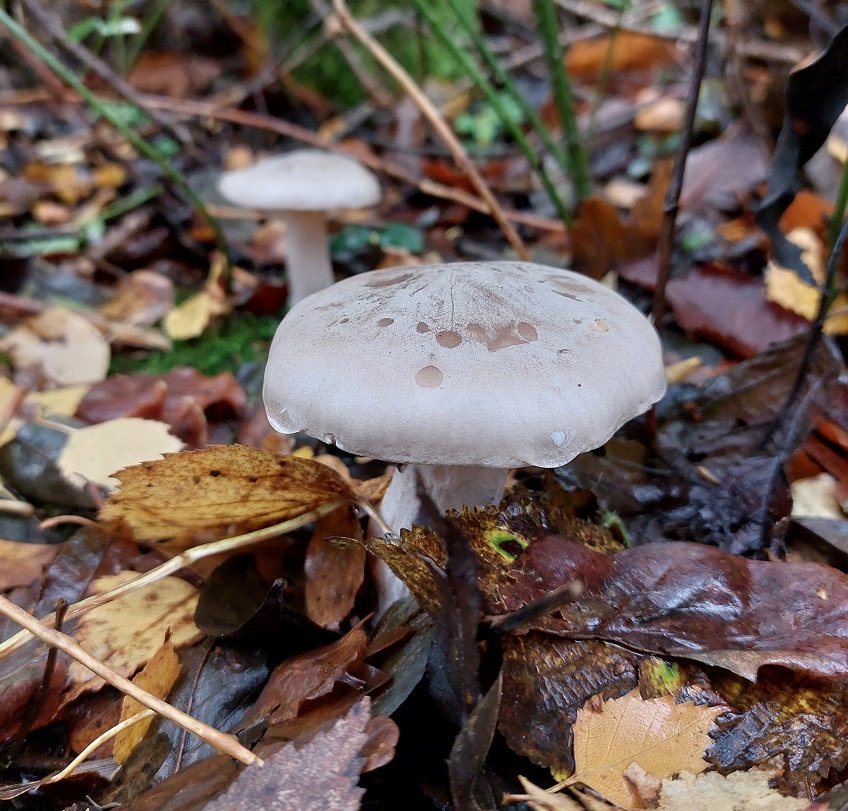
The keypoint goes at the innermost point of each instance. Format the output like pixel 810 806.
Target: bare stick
pixel 671 204
pixel 436 121
pixel 172 566
pixel 223 742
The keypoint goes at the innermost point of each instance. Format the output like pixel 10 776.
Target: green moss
pixel 225 347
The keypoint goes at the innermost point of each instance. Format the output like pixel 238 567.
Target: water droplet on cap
pixel 558 438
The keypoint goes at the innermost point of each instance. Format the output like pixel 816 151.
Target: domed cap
pixel 302 180
pixel 497 364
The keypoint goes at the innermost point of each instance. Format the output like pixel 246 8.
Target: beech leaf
pixel 660 736
pixel 221 487
pixel 739 791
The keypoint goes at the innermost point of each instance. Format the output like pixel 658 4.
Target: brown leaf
pixel 223 486
pixel 699 301
pixel 662 737
pixel 619 52
pixel 308 676
pixel 21 563
pixel 142 298
pixel 333 573
pixel 322 775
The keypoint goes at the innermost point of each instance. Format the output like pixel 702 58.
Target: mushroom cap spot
pixel 448 338
pixel 302 180
pixel 385 322
pixel 430 377
pixel 499 397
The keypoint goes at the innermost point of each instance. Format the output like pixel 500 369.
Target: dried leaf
pixel 141 298
pixel 322 775
pixel 157 677
pixel 93 453
pixel 662 737
pixel 21 563
pixel 62 345
pixel 334 573
pixel 619 52
pixel 126 633
pixel 739 791
pixel 222 486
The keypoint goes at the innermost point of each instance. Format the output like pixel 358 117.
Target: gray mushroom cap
pixel 302 180
pixel 496 364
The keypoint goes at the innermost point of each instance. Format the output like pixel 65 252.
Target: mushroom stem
pixel 307 254
pixel 450 487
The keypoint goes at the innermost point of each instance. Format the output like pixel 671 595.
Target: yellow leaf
pixel 786 288
pixel 93 453
pixel 158 677
pixel 230 487
pixel 662 737
pixel 189 319
pixel 127 632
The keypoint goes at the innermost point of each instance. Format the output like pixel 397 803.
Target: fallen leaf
pixel 816 497
pixel 662 737
pixel 223 486
pixel 93 453
pixel 62 345
pixel 321 775
pixel 21 563
pixel 126 633
pixel 699 301
pixel 157 677
pixel 142 298
pixel 739 791
pixel 189 319
pixel 619 52
pixel 333 573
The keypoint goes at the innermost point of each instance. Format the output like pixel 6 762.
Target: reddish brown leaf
pixel 700 303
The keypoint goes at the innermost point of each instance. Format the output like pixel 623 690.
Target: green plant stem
pixel 491 94
pixel 504 77
pixel 548 28
pixel 834 224
pixel 103 110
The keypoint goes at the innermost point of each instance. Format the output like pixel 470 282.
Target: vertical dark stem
pixel 671 205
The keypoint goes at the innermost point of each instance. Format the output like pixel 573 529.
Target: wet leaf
pixel 142 298
pixel 546 681
pixel 662 737
pixel 21 563
pixel 699 301
pixel 224 486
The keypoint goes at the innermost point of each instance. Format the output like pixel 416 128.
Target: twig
pixel 834 224
pixel 104 111
pixel 490 92
pixel 15 791
pixel 98 66
pixel 671 204
pixel 223 742
pixel 436 121
pixel 172 566
pixel 548 28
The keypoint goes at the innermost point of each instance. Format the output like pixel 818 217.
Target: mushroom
pixel 461 372
pixel 303 186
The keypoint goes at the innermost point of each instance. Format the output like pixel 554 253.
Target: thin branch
pixel 175 564
pixel 23 36
pixel 223 742
pixel 436 120
pixel 671 204
pixel 99 67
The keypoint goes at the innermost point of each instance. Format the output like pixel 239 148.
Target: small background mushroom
pixel 302 187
